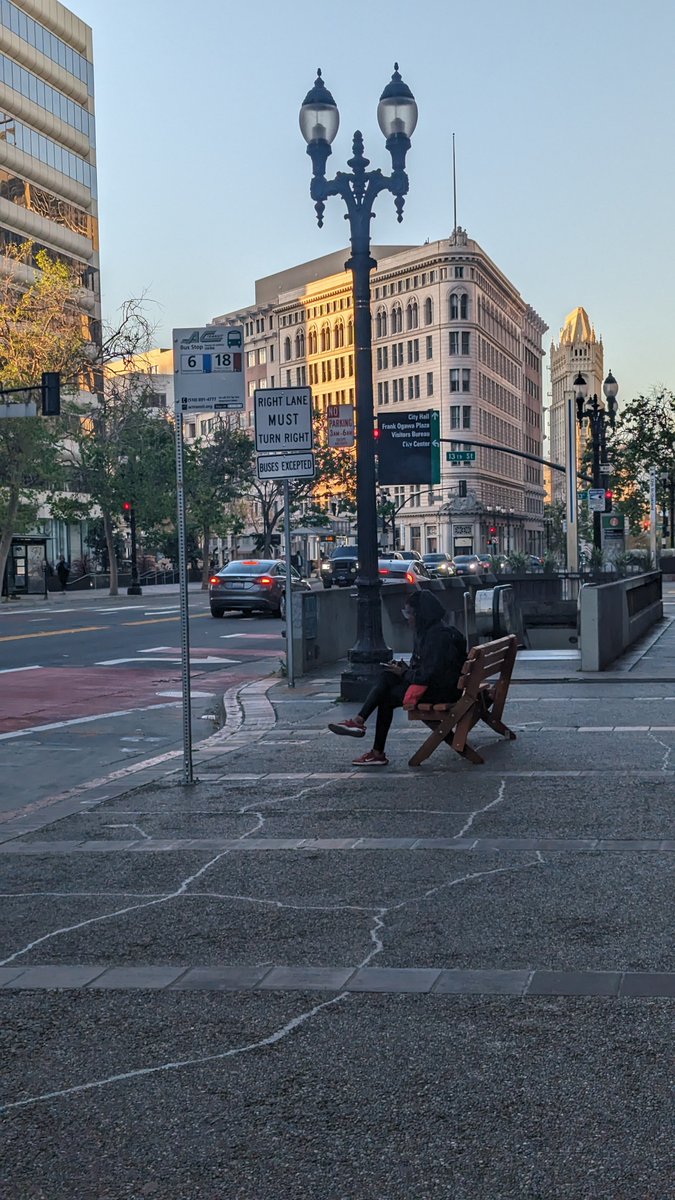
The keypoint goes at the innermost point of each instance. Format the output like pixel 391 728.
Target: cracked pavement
pixel 450 1008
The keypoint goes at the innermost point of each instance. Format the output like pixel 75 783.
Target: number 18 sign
pixel 208 366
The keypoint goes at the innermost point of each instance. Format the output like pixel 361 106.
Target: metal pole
pixel 290 659
pixel 135 589
pixel 188 776
pixel 571 514
pixel 596 429
pixel 652 514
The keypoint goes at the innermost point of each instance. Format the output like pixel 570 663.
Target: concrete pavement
pixel 298 979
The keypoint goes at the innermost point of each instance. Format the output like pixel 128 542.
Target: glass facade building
pixel 47 140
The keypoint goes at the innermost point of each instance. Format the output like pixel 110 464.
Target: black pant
pixel 385 696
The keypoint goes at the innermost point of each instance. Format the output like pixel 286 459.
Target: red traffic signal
pixel 126 506
pixel 609 496
pixel 493 529
pixel 127 509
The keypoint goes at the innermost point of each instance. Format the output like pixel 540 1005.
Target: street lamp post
pixel 319 122
pixel 592 409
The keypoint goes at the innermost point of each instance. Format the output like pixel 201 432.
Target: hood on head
pixel 427 608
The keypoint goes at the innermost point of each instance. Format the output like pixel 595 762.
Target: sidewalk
pixel 296 979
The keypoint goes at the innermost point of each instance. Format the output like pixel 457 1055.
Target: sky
pixel 563 116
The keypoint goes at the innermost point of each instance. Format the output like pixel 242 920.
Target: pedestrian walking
pixel 433 672
pixel 63 571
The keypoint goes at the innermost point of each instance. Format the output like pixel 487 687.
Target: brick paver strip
pixel 181 845
pixel 138 977
pixel 487 983
pixel 393 979
pixel 647 983
pixel 56 977
pixel 520 982
pixel 575 983
pixel 325 978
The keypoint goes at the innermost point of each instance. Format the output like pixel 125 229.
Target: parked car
pixel 402 570
pixel 341 568
pixel 467 564
pixel 415 554
pixel 252 585
pixel 438 565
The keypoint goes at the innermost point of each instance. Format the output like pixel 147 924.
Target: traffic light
pixel 609 496
pixel 51 394
pixel 493 530
pixel 126 511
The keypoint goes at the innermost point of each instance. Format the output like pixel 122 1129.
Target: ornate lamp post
pixel 319 122
pixel 592 410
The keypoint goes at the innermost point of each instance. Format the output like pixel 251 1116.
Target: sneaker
pixel 372 759
pixel 352 727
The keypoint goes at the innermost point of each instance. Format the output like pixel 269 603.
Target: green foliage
pixel 644 437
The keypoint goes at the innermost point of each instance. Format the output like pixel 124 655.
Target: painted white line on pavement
pixel 194 662
pixel 122 712
pixel 13 670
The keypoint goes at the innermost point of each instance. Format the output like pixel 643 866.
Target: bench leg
pixel 499 726
pixel 472 755
pixel 442 732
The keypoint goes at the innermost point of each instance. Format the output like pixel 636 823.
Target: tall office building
pixel 47 141
pixel 579 350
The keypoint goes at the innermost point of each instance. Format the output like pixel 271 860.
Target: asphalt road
pixel 87 686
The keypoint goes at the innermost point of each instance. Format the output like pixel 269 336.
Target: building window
pixel 415 538
pixel 466 416
pixel 250 358
pixel 428 310
pixel 412 315
pixel 381 323
pixel 312 341
pixel 430 383
pixel 383 392
pixel 287 349
pixel 382 358
pixel 454 343
pixel 454 416
pixel 397 319
pixel 454 380
pixel 459 272
pixel 262 355
pixel 325 337
pixel 466 379
pixel 466 343
pixel 300 345
pixel 339 335
pixel 459 306
pixel 430 346
pixel 397 354
pixel 350 333
pixel 413 387
pixel 414 350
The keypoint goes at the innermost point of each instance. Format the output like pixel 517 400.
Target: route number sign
pixel 208 366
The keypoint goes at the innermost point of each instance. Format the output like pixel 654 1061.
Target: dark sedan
pixel 252 585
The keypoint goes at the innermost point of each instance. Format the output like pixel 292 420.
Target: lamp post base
pixel 356 682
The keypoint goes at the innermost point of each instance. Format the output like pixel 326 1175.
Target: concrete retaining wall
pixel 614 615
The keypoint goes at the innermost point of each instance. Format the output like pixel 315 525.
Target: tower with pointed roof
pixel 579 349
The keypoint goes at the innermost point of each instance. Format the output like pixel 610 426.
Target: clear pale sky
pixel 563 115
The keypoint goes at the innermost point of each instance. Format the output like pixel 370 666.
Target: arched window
pixel 339 335
pixel 313 341
pixel 397 319
pixel 300 344
pixel 287 349
pixel 325 337
pixel 459 306
pixel 350 332
pixel 463 306
pixel 428 310
pixel 381 323
pixel 412 315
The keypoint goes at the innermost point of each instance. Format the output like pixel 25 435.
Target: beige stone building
pixel 450 332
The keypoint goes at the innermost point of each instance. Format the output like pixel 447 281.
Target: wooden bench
pixel 483 698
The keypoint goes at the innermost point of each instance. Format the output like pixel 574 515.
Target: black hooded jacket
pixel 439 652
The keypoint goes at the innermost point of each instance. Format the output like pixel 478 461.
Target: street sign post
pixel 605 468
pixel 208 365
pixel 283 419
pixel 596 499
pixel 285 466
pixel 459 456
pixel 652 515
pixel 340 425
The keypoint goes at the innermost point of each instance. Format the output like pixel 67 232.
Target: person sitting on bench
pixel 433 672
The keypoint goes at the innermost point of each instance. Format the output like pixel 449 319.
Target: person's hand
pixel 396 668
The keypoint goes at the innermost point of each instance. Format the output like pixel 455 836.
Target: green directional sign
pixel 582 497
pixel 435 446
pixel 457 456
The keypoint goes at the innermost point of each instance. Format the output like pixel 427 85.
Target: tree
pixel 218 469
pixel 644 438
pixel 41 329
pixel 122 449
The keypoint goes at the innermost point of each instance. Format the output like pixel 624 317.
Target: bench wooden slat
pixel 481 700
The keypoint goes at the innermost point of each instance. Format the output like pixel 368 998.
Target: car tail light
pixel 264 580
pixel 384 570
pixel 410 577
pixel 214 580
